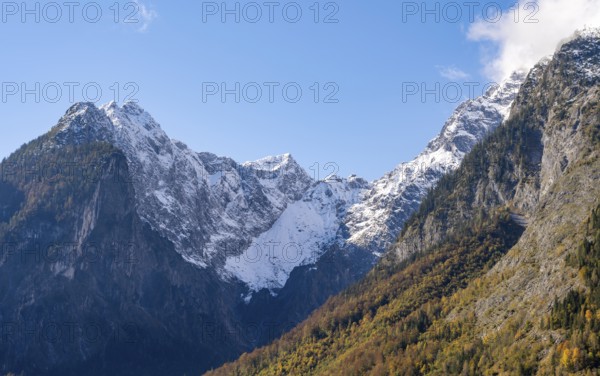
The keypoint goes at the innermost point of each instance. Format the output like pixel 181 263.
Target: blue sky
pixel 177 49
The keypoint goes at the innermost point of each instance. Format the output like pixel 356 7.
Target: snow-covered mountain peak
pixel 277 166
pixel 280 173
pixel 209 207
pixel 223 214
pixel 374 222
pixel 355 181
pixel 271 163
pixel 591 32
pixel 82 111
pixel 504 93
pixel 475 118
pixel 83 122
pixel 132 116
pixel 582 52
pixel 133 107
pixel 80 108
pixel 110 105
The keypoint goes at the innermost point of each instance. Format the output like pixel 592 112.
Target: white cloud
pixel 145 16
pixel 452 73
pixel 523 38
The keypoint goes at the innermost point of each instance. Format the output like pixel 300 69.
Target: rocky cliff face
pixel 81 294
pixel 511 178
pixel 564 104
pixel 550 104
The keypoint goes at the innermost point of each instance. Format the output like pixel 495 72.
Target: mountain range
pixel 126 252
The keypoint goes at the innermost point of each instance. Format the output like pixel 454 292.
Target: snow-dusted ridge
pixel 208 206
pixel 583 52
pixel 374 222
pixel 255 222
pixel 371 214
pixel 299 236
